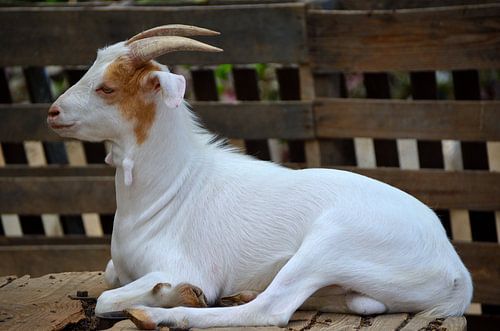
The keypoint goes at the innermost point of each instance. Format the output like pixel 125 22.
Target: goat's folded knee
pixel 112 303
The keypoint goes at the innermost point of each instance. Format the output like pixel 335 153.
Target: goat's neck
pixel 158 167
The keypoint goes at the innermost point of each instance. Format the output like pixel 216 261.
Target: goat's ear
pixel 172 87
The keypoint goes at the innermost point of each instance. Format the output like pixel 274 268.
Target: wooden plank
pixel 250 120
pixel 483 261
pixel 56 171
pixel 249 33
pixel 405 40
pixel 464 120
pixel 331 322
pixel 4 280
pixel 401 4
pixel 31 240
pixel 62 195
pixel 32 306
pixel 39 260
pixel 418 323
pixel 475 190
pixel 455 324
pixel 386 322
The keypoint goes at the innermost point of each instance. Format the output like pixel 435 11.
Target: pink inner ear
pixel 173 87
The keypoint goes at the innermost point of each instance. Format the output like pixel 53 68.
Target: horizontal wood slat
pixel 431 120
pixel 60 195
pixel 249 33
pixel 482 260
pixel 249 120
pixel 334 118
pixel 474 190
pixel 461 37
pixel 404 4
pixel 38 260
pixel 77 193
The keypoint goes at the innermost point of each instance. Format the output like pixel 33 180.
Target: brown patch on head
pixel 131 94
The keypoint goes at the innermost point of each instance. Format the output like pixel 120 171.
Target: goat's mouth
pixel 56 126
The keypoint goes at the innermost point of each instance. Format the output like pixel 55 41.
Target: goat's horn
pixel 147 49
pixel 180 30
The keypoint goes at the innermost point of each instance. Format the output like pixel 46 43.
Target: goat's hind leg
pixel 151 290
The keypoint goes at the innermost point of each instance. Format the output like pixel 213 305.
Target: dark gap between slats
pixel 289 89
pixel 424 87
pixel 246 87
pixel 339 151
pixel 377 87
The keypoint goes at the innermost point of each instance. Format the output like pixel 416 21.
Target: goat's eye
pixel 104 89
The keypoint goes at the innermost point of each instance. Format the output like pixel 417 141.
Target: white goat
pixel 199 224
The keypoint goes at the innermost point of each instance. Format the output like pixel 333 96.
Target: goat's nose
pixel 54 111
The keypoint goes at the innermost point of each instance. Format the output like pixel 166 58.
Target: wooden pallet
pixel 46 303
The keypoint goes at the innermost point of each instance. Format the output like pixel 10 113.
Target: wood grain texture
pixel 38 260
pixel 475 190
pixel 461 37
pixel 386 322
pixel 430 120
pixel 404 4
pixel 261 33
pixel 249 120
pixel 43 303
pixel 483 260
pixel 58 195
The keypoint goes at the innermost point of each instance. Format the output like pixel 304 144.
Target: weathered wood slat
pixel 461 37
pixel 43 303
pixel 58 195
pixel 475 190
pixel 56 171
pixel 261 33
pixel 482 260
pixel 39 260
pixel 404 4
pixel 334 118
pixel 31 240
pixel 249 120
pixel 386 322
pixel 430 120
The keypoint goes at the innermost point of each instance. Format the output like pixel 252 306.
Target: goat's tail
pixel 458 299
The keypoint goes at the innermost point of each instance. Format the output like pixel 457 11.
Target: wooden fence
pixel 49 182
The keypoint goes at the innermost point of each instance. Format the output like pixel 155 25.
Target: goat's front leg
pixel 150 290
pixel 293 284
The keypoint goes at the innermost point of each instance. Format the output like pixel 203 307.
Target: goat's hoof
pixel 238 298
pixel 191 296
pixel 141 320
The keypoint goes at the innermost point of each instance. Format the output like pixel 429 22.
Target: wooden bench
pixel 312 52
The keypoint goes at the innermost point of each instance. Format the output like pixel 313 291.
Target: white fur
pixel 199 213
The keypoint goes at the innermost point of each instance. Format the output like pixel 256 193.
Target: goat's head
pixel 119 94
